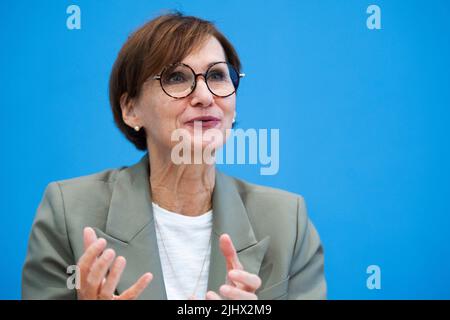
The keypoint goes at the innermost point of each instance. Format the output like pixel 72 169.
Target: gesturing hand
pixel 240 284
pixel 94 264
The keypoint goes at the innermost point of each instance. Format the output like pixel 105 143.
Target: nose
pixel 201 96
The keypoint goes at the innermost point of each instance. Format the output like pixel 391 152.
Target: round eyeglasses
pixel 179 80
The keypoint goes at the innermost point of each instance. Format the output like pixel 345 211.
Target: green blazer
pixel 270 229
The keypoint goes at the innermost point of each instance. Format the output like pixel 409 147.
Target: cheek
pixel 163 119
pixel 228 106
pixel 160 111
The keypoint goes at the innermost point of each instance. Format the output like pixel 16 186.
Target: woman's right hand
pixel 94 265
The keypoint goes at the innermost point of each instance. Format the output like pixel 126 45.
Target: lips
pixel 206 121
pixel 203 119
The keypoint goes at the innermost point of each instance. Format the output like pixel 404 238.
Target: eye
pixel 175 77
pixel 216 75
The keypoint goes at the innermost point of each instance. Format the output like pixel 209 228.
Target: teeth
pixel 193 121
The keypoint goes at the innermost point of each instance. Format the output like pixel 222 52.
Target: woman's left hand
pixel 240 284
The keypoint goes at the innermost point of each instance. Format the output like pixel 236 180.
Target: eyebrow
pixel 211 63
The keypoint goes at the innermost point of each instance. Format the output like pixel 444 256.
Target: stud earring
pixel 137 128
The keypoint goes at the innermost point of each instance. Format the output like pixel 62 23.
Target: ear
pixel 129 114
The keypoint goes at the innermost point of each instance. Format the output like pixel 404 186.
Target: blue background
pixel 363 118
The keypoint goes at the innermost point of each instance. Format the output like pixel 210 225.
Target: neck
pixel 185 189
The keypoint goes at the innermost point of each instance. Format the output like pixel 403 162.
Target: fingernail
pixel 120 261
pixel 225 289
pixel 233 273
pixel 109 253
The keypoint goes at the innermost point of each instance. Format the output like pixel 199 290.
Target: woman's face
pixel 161 115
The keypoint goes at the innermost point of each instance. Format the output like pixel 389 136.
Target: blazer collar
pixel 130 230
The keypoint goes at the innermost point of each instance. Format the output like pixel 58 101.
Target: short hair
pixel 166 39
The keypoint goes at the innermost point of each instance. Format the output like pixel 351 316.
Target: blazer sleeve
pixel 307 279
pixel 44 274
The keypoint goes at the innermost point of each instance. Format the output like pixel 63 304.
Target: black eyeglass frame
pixel 159 77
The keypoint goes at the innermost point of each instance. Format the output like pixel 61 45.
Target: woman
pixel 161 229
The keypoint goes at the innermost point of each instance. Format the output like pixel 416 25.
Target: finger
pixel 89 256
pixel 99 270
pixel 89 237
pixel 211 295
pixel 136 289
pixel 249 281
pixel 234 293
pixel 229 252
pixel 110 284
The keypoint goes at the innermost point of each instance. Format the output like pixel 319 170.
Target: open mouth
pixel 204 122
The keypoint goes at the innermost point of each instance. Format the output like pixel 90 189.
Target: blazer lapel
pixel 230 216
pixel 130 230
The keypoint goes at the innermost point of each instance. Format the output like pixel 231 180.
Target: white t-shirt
pixel 184 245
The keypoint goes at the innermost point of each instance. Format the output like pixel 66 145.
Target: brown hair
pixel 164 40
